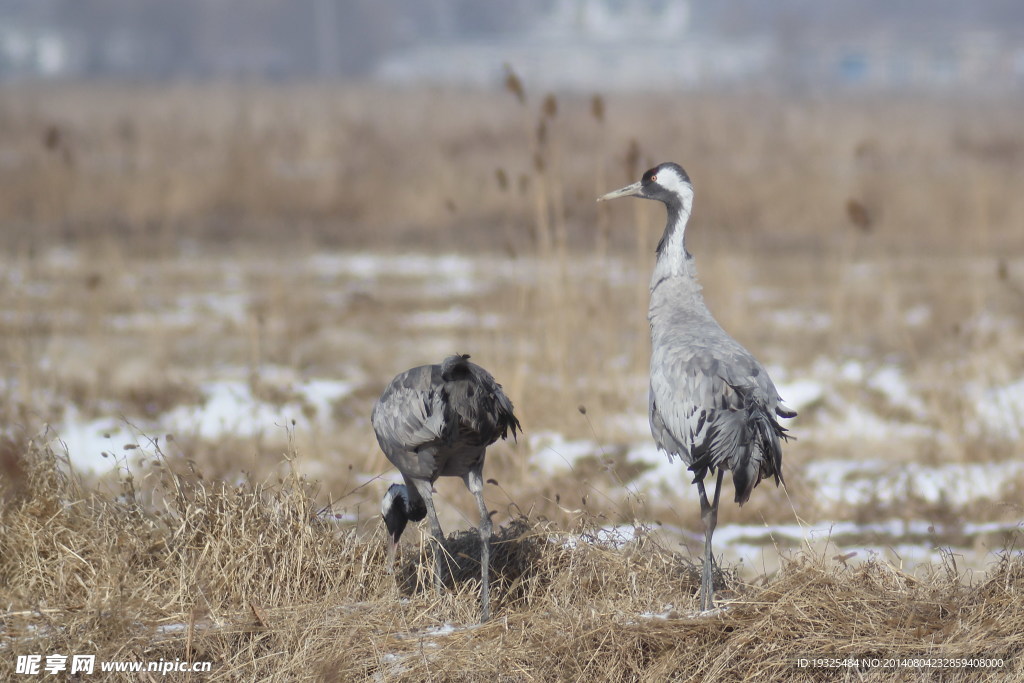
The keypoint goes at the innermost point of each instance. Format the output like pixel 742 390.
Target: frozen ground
pixel 228 407
pixel 880 466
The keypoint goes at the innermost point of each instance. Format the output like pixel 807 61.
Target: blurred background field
pixel 211 263
pixel 218 276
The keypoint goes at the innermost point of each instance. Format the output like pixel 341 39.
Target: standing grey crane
pixel 437 421
pixel 711 403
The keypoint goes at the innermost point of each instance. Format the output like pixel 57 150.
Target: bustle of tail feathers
pixel 473 394
pixel 763 457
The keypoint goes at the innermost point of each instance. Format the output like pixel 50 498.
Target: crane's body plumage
pixel 711 403
pixel 437 421
pixel 430 427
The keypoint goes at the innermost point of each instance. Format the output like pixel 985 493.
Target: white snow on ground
pixel 442 630
pixel 662 471
pixel 225 305
pixel 890 381
pixel 169 318
pixel 813 321
pixel 825 379
pixel 188 311
pixel 427 639
pixel 229 408
pixel 359 265
pixel 842 401
pixel 553 452
pixel 858 423
pixel 448 275
pixel 86 441
pixel 839 401
pixel 800 393
pixel 995 411
pixel 323 393
pixel 986 322
pixel 456 316
pixel 844 413
pixel 666 612
pixel 366 265
pixel 861 482
pixel 761 534
pixel 631 424
pixel 610 537
pixel 889 540
pixel 444 276
pixel 918 315
pixel 999 410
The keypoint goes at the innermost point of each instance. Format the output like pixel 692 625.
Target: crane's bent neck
pixel 673 259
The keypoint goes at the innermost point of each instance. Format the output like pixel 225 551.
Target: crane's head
pixel 668 183
pixel 395 511
pixel 398 510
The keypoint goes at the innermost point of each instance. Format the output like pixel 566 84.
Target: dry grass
pixel 143 168
pixel 159 239
pixel 251 578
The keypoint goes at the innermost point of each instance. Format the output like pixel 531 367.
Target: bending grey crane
pixel 437 421
pixel 711 403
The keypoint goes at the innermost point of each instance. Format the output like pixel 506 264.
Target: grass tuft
pixel 252 578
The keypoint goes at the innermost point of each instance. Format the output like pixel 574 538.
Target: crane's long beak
pixel 627 191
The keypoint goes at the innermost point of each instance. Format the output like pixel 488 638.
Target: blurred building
pixel 588 45
pixel 565 44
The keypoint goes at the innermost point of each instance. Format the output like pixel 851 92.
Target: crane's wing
pixel 716 408
pixel 412 418
pixel 486 413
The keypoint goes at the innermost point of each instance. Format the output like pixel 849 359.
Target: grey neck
pixel 674 260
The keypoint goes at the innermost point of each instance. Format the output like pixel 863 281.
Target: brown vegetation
pixel 252 578
pixel 158 239
pixel 147 167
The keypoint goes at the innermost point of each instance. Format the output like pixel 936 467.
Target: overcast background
pixel 569 44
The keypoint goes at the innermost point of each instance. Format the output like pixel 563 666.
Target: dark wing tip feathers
pixel 762 456
pixel 512 424
pixel 474 394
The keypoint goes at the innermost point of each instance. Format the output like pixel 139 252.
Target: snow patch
pixel 661 471
pixel 92 445
pixel 800 393
pixel 854 422
pixel 846 482
pixel 1000 411
pixel 813 321
pixel 456 316
pixel 890 382
pixel 611 537
pixel 229 408
pixel 552 451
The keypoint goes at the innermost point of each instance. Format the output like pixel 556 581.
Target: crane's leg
pixel 475 483
pixel 709 515
pixel 425 489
